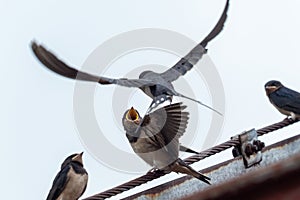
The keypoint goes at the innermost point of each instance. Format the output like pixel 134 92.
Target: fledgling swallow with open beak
pixel 285 100
pixel 71 181
pixel 157 141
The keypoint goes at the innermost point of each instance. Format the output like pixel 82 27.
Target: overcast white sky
pixel 259 43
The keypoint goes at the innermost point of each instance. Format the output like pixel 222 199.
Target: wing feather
pixel 286 99
pixel 59 183
pixel 53 63
pixel 168 124
pixel 186 63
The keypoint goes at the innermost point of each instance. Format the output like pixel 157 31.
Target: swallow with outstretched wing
pixel 157 141
pixel 158 86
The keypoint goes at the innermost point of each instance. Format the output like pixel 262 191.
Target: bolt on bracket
pixel 249 148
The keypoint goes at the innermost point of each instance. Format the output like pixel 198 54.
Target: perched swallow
pixel 286 101
pixel 158 86
pixel 70 183
pixel 157 141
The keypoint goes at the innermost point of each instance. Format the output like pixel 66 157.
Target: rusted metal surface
pixel 209 152
pixel 223 172
pixel 279 181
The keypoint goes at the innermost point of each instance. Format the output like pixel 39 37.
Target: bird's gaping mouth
pixel 132 115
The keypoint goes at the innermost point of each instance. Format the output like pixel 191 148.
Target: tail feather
pixel 186 149
pixel 181 167
pixel 181 95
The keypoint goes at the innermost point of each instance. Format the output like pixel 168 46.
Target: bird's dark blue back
pixel 287 99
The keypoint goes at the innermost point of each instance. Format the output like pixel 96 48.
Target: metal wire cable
pixel 190 160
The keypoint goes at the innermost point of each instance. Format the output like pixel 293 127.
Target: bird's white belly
pixel 74 187
pixel 157 158
pixel 148 92
pixel 287 113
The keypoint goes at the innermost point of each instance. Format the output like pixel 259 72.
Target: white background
pixel 259 43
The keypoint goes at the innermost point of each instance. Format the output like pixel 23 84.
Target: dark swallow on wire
pixel 157 141
pixel 158 86
pixel 71 181
pixel 285 100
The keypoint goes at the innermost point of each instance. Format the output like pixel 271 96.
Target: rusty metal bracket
pixel 249 148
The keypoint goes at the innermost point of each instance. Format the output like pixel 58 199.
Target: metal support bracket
pixel 249 148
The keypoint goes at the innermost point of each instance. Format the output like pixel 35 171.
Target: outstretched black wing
pixel 186 63
pixel 56 65
pixel 59 184
pixel 166 125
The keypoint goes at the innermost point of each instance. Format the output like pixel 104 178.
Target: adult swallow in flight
pixel 70 183
pixel 286 101
pixel 158 86
pixel 157 141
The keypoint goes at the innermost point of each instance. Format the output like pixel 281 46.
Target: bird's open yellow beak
pixel 132 115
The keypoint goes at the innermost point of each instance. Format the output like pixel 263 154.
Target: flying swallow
pixel 158 86
pixel 157 141
pixel 285 100
pixel 70 183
